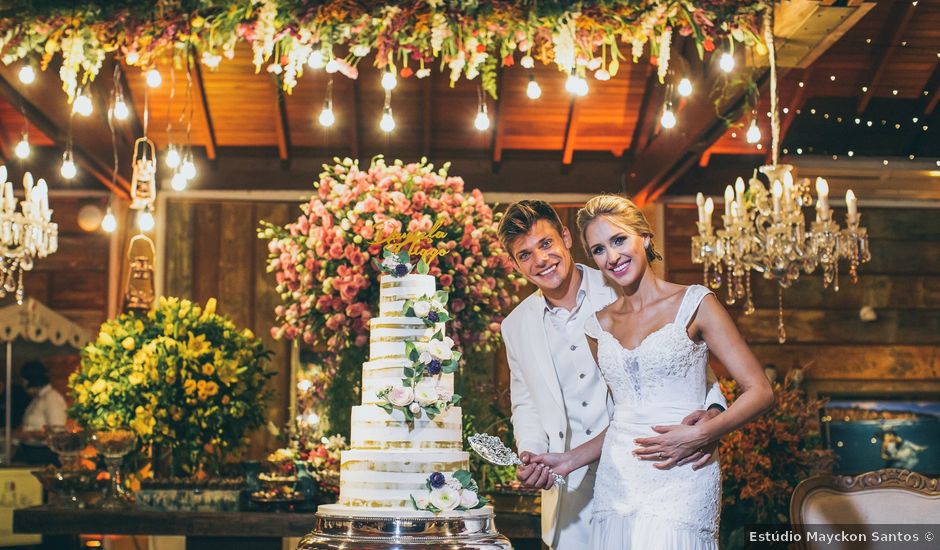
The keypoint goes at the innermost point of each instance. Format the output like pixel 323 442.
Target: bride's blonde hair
pixel 621 212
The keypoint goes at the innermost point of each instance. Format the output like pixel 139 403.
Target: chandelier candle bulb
pixel 852 203
pixel 729 199
pixel 788 189
pixel 822 187
pixel 709 208
pixel 777 191
pixel 739 193
pixel 700 203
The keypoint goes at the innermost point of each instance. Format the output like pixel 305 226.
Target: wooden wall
pixel 898 353
pixel 212 251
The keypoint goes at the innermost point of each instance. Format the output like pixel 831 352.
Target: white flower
pixel 425 357
pixel 426 396
pixel 421 499
pixel 453 483
pixel 423 73
pixel 527 62
pixel 446 498
pixel 468 499
pixel 415 408
pixel 440 349
pixel 444 395
pixel 422 308
pixel 360 50
pixel 400 396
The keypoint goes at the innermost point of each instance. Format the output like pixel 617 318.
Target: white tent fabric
pixel 32 321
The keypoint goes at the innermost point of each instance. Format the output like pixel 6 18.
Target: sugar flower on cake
pixel 446 492
pixel 396 265
pixel 430 309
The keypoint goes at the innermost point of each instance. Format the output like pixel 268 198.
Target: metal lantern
pixel 140 291
pixel 143 181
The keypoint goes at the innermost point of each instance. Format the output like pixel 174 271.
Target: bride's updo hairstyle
pixel 621 212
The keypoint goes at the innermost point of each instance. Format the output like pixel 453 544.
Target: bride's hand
pixel 558 463
pixel 672 445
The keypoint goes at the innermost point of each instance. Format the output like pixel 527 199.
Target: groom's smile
pixel 543 257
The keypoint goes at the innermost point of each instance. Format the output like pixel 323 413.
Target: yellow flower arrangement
pixel 180 376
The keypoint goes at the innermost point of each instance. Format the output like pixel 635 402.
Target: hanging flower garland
pixel 469 38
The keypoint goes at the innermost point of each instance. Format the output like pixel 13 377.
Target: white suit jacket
pixel 538 408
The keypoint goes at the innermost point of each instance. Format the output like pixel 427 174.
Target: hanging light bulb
pixel 388 80
pixel 482 121
pixel 172 157
pixel 121 112
pixel 68 170
pixel 685 87
pixel 726 62
pixel 327 118
pixel 109 222
pixel 153 78
pixel 668 120
pixel 22 147
pixel 315 61
pixel 145 221
pixel 753 132
pixel 82 104
pixel 188 168
pixel 387 124
pixel 27 74
pixel 533 90
pixel 576 85
pixel 178 182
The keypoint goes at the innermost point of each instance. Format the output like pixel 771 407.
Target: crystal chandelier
pixel 26 234
pixel 765 231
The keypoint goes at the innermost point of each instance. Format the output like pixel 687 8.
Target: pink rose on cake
pixel 401 396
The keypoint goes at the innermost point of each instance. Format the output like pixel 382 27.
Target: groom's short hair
pixel 521 216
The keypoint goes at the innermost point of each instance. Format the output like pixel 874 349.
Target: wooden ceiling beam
pixel 499 127
pixel 281 124
pixel 426 115
pixel 203 105
pixel 646 121
pixel 355 135
pixel 95 166
pixel 571 131
pixel 894 29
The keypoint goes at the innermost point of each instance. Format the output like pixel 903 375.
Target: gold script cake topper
pixel 420 243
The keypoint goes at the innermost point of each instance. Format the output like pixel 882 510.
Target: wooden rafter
pixel 426 115
pixel 895 30
pixel 499 126
pixel 203 104
pixel 571 131
pixel 91 164
pixel 646 119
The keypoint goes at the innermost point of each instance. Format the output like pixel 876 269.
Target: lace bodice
pixel 666 367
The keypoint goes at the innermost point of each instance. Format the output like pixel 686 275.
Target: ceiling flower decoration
pixel 466 38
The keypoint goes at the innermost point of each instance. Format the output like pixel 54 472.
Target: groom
pixel 559 397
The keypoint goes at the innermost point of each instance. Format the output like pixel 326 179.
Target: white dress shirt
pixel 46 409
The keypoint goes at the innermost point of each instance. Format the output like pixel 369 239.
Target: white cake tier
pixel 341 511
pixel 395 290
pixel 386 479
pixel 387 336
pixel 377 375
pixel 374 429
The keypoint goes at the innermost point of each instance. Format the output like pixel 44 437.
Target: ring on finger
pixel 661 455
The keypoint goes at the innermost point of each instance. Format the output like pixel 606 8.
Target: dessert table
pixel 210 530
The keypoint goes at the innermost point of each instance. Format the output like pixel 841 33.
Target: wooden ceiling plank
pixel 426 115
pixel 499 125
pixel 203 104
pixel 281 124
pixel 355 136
pixel 571 131
pixel 94 166
pixel 897 26
pixel 646 121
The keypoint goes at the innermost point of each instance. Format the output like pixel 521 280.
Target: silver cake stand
pixel 339 527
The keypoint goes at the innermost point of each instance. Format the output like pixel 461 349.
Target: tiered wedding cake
pixel 407 427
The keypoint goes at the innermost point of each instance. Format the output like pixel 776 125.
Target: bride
pixel 652 346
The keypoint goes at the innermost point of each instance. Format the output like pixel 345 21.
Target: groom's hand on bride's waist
pixel 680 444
pixel 534 475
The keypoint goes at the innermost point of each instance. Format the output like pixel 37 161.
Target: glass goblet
pixel 67 442
pixel 113 444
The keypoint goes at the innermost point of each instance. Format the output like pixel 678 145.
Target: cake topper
pixel 414 242
pixel 492 450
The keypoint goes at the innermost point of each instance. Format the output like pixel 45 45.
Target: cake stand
pixel 364 529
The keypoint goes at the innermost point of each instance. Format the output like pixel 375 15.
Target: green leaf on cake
pixel 387 407
pixel 409 372
pixel 456 398
pixel 423 267
pixel 403 257
pixel 464 477
pixel 441 296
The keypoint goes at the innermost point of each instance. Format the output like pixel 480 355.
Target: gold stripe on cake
pixel 359 503
pixel 393 284
pixel 417 324
pixel 402 467
pixel 387 357
pixel 405 424
pixel 369 445
pixel 384 485
pixel 394 340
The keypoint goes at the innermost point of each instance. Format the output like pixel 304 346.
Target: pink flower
pixel 446 280
pixel 401 396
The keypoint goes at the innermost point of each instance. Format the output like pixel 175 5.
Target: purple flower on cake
pixel 437 480
pixel 434 367
pixel 433 316
pixel 401 396
pixel 401 270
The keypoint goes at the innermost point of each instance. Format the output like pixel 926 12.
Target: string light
pixel 726 62
pixel 27 74
pixel 482 121
pixel 753 132
pixel 121 112
pixel 315 61
pixel 82 104
pixel 533 90
pixel 179 181
pixel 576 85
pixel 22 147
pixel 668 120
pixel 388 79
pixel 153 78
pixel 173 157
pixel 387 124
pixel 188 168
pixel 109 222
pixel 685 87
pixel 68 169
pixel 145 221
pixel 327 118
pixel 132 57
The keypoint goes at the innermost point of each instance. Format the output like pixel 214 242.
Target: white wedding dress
pixel 637 506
